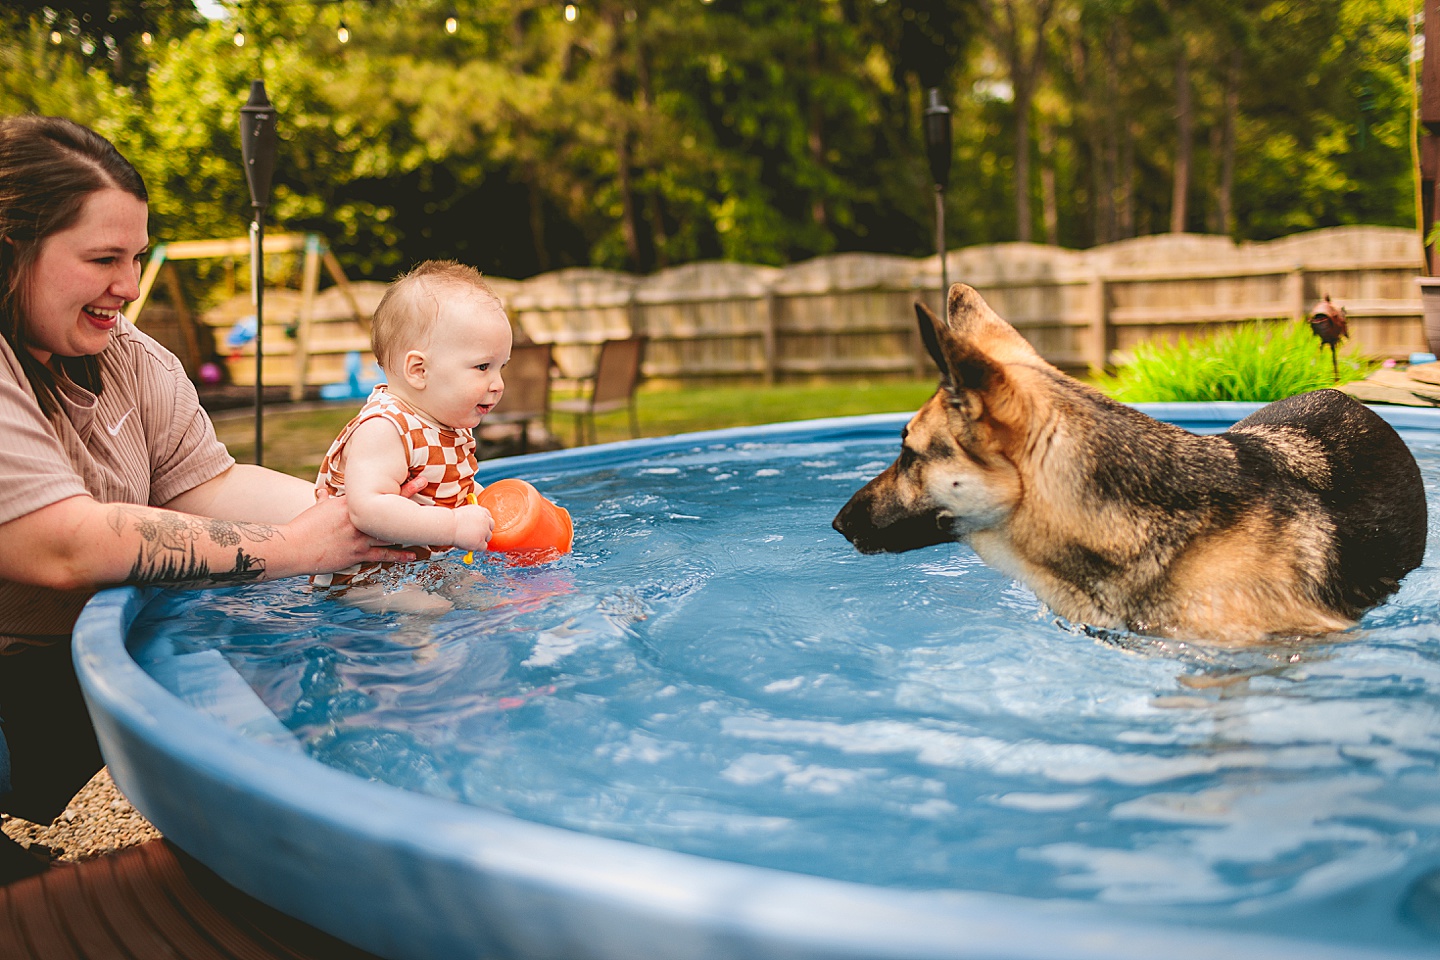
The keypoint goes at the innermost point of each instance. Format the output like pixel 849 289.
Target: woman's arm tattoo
pixel 169 556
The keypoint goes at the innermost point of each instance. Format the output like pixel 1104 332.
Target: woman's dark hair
pixel 48 167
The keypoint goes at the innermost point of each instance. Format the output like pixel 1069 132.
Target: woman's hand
pixel 341 534
pixel 335 542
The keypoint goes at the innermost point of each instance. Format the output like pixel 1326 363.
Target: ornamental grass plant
pixel 1255 362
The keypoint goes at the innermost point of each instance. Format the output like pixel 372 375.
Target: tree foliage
pixel 647 133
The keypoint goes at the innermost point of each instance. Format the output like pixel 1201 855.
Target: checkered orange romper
pixel 443 455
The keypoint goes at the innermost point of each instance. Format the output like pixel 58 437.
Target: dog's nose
pixel 842 522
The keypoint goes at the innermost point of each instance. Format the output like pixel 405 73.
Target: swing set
pixel 293 325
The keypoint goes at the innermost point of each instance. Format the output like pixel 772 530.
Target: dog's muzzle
pixel 857 521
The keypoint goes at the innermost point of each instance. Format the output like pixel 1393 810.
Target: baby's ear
pixel 414 369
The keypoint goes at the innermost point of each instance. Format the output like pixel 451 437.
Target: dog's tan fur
pixel 1124 522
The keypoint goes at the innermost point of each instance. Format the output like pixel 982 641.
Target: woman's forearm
pixel 78 543
pixel 178 549
pixel 248 492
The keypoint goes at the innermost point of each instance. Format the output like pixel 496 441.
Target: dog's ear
pixel 972 368
pixel 930 334
pixel 961 366
pixel 971 319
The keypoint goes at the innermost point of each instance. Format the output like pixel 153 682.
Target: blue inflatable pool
pixel 412 876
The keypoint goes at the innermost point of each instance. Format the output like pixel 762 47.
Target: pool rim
pixel 534 890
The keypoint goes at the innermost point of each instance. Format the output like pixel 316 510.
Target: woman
pixel 111 471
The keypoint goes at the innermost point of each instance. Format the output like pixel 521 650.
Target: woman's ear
pixel 413 368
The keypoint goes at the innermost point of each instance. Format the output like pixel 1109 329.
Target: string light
pixel 342 32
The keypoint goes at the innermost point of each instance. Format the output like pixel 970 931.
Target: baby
pixel 442 338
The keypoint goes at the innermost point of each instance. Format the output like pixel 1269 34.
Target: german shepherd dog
pixel 1291 523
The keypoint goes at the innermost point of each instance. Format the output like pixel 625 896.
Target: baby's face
pixel 470 345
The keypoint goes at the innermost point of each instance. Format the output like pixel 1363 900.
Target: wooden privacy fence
pixel 852 315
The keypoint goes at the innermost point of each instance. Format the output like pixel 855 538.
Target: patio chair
pixel 611 387
pixel 527 390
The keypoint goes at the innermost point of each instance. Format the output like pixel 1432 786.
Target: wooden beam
pixel 308 284
pixel 185 318
pixel 233 247
pixel 147 282
pixel 1430 69
pixel 332 266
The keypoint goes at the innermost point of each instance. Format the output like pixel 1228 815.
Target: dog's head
pixel 957 469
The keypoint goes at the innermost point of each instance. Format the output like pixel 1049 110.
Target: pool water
pixel 716 671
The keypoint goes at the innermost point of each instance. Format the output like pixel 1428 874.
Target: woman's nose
pixel 126 284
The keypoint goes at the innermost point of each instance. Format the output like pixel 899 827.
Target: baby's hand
pixel 473 527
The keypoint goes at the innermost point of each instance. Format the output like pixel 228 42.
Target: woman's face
pixel 84 274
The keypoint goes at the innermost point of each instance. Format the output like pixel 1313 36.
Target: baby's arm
pixel 375 468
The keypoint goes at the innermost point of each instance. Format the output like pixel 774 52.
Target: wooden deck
pixel 150 902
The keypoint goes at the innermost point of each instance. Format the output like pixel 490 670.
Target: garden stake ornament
pixel 1328 323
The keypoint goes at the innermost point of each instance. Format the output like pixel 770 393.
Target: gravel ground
pixel 98 821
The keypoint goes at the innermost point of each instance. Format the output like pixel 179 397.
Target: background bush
pixel 1253 362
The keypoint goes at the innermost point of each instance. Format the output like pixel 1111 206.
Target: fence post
pixel 767 335
pixel 1300 307
pixel 1099 347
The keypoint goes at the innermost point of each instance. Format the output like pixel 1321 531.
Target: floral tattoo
pixel 169 554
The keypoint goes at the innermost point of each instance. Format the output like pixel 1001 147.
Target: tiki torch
pixel 937 145
pixel 257 150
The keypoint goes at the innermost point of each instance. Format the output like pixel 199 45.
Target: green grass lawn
pixel 295 440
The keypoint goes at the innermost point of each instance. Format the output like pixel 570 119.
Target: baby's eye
pixel 482 367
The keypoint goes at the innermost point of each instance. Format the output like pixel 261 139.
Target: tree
pixel 656 132
pixel 1021 27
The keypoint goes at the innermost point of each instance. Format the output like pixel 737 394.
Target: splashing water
pixel 714 670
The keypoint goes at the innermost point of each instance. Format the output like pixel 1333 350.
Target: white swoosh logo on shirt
pixel 115 430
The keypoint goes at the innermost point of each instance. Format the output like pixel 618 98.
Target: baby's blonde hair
pixel 405 317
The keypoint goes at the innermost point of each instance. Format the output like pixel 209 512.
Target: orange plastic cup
pixel 527 525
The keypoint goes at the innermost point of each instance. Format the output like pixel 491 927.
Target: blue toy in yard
pixel 358 381
pixel 242 333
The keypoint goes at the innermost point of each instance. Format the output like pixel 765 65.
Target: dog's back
pixel 1364 478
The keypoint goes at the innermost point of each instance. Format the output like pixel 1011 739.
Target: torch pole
pixel 940 244
pixel 257 281
pixel 938 150
pixel 257 150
